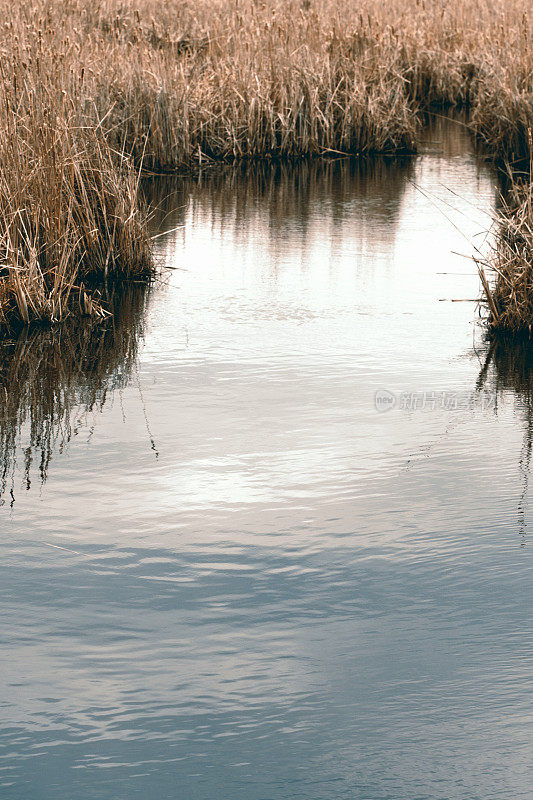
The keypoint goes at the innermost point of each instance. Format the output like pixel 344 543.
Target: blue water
pixel 232 576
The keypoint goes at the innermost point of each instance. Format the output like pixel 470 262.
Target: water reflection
pixel 53 380
pixel 508 370
pixel 338 219
pixel 508 365
pixel 286 192
pixel 301 598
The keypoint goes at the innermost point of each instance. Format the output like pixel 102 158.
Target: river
pixel 265 535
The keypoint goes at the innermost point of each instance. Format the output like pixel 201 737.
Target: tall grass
pixel 92 90
pixel 509 297
pixel 68 202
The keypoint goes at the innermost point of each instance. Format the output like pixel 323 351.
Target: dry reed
pixel 509 297
pixel 90 88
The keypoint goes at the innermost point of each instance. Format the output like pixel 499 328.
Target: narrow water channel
pixel 266 535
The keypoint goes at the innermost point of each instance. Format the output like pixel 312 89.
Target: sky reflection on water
pixel 239 580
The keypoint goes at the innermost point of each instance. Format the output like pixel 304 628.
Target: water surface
pixel 225 572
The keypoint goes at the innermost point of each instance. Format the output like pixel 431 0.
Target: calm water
pixel 227 575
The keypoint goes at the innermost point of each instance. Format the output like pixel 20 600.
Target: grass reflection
pixel 51 379
pixel 508 367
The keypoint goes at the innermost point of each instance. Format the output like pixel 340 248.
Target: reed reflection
pixel 51 380
pixel 508 367
pixel 288 196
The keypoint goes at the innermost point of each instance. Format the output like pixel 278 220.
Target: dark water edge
pixel 52 378
pixel 229 568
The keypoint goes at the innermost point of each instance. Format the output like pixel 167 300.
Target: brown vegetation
pixel 90 91
pixel 509 297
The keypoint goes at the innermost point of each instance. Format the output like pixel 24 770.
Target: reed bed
pixel 509 297
pixel 91 92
